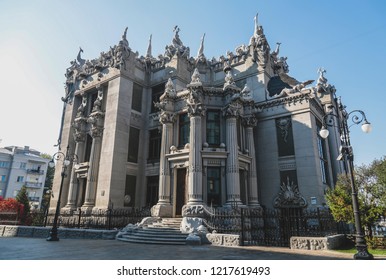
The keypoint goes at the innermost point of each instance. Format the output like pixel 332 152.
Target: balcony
pixel 33 185
pixel 35 171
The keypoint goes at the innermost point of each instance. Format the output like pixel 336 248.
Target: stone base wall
pixel 317 243
pixel 230 240
pixel 63 233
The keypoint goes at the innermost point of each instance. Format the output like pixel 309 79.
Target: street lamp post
pixel 346 153
pixel 67 160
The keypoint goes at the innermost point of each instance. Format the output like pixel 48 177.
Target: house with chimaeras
pixel 180 133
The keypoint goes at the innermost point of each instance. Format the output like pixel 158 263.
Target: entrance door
pixel 180 190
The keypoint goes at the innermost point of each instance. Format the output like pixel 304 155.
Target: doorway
pixel 181 192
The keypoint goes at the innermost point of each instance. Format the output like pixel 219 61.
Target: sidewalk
pixel 20 248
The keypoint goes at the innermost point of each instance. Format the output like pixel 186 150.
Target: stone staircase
pixel 165 231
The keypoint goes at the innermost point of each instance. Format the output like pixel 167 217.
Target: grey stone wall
pixel 70 233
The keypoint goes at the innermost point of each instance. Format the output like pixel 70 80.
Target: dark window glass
pixel 156 93
pixel 285 138
pixel 184 130
pixel 88 148
pixel 154 144
pixel 243 186
pixel 133 145
pixel 322 156
pixel 136 103
pixel 152 190
pixel 213 128
pixel 213 186
pixel 129 198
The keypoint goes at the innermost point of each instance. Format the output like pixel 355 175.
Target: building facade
pixel 181 133
pixel 22 166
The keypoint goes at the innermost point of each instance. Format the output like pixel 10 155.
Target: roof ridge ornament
pixel 148 52
pixel 322 86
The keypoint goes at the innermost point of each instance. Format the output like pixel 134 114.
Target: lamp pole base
pixel 362 253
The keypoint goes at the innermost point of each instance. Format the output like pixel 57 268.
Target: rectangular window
pixel 3 178
pixel 213 186
pixel 133 145
pixel 184 130
pixel 284 136
pixel 152 190
pixel 136 102
pixel 4 164
pixel 156 93
pixel 23 165
pixel 213 128
pixel 322 155
pixel 154 145
pixel 129 198
pixel 20 179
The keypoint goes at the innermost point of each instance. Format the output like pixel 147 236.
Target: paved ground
pixel 19 248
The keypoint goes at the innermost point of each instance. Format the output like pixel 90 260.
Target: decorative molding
pixel 289 196
pixel 284 124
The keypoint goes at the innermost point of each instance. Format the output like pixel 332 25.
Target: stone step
pixel 166 231
pixel 160 233
pixel 134 239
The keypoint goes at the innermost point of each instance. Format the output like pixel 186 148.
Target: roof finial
pixel 148 53
pixel 201 49
pixel 256 25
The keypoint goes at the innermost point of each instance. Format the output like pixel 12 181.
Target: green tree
pixel 48 183
pixel 371 195
pixel 22 198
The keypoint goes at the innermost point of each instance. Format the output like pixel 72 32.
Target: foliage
pixel 48 183
pixel 22 198
pixel 371 195
pixel 10 205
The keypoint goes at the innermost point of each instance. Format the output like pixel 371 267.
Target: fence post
pixel 109 213
pixel 45 217
pixel 242 227
pixel 319 220
pixel 79 216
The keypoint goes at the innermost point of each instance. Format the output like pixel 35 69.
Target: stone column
pixel 232 166
pixel 164 207
pixel 195 161
pixel 253 199
pixel 79 134
pixel 96 120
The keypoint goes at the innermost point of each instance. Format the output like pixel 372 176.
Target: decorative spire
pixel 170 91
pixel 256 25
pixel 124 35
pixel 201 49
pixel 148 53
pixel 196 77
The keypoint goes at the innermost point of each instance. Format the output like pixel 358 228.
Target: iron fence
pixel 99 219
pixel 273 227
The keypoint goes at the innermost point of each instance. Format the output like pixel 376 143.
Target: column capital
pixel 79 126
pixel 167 117
pixel 233 110
pixel 250 121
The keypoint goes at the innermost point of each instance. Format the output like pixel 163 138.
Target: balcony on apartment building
pixel 33 185
pixel 35 171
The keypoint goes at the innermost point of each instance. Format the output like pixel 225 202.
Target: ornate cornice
pixel 289 100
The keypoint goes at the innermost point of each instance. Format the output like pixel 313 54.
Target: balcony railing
pixel 35 171
pixel 33 185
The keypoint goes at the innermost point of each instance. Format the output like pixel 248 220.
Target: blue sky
pixel 40 38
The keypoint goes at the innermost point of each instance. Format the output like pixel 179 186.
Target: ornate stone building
pixel 180 133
